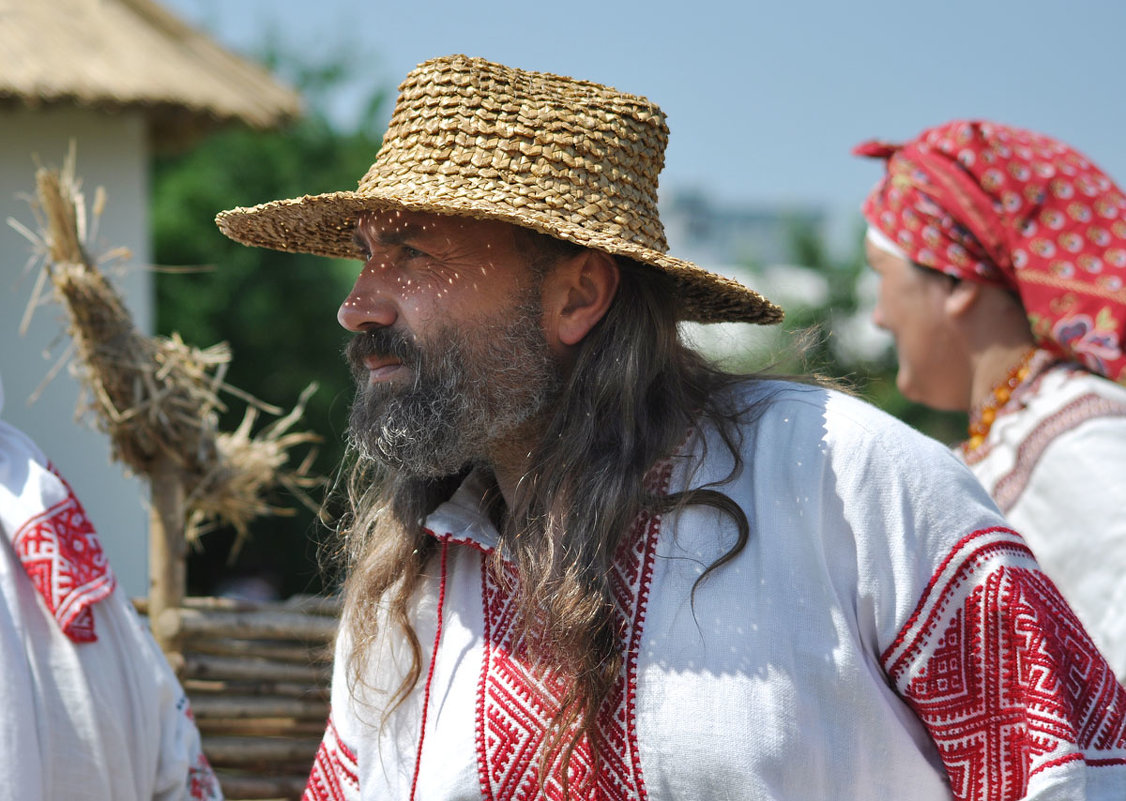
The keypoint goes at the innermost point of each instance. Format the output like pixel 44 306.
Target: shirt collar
pixel 463 518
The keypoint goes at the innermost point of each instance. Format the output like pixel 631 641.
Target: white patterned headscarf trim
pixel 883 242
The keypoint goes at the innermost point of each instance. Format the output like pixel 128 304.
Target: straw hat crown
pixel 572 159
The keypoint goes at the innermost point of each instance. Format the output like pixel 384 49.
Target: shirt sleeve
pixel 335 774
pixel 972 635
pixel 1015 695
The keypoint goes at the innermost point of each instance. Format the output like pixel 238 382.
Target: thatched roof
pixel 132 54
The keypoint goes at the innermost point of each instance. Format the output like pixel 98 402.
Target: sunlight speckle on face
pixel 421 267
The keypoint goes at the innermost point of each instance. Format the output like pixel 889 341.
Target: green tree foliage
pixel 276 310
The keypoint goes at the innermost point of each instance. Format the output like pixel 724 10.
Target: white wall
pixel 112 152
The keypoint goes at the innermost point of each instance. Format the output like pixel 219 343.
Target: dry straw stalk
pixel 157 398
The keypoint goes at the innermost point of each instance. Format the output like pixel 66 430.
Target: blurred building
pixel 754 244
pixel 712 233
pixel 121 79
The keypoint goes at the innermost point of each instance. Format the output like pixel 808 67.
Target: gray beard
pixel 472 389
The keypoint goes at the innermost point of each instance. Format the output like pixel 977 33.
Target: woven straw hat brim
pixel 568 158
pixel 323 225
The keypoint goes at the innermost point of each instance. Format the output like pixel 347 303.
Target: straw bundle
pixel 257 674
pixel 156 397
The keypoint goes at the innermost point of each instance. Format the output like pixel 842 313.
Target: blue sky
pixel 764 99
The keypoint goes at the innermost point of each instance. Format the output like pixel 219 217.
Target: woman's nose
pixel 878 317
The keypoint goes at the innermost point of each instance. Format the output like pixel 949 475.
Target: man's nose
pixel 368 305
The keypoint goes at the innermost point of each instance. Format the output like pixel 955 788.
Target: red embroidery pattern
pixel 1002 673
pixel 517 700
pixel 335 774
pixel 1086 407
pixel 61 553
pixel 202 783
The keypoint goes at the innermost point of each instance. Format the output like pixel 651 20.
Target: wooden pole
pixel 231 668
pixel 193 623
pixel 272 787
pixel 247 751
pixel 168 546
pixel 249 706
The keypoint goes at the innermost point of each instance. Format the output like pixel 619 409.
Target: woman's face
pixel 912 305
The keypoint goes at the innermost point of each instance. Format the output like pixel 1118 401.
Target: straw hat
pixel 569 158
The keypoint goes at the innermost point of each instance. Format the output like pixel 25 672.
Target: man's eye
pixel 411 253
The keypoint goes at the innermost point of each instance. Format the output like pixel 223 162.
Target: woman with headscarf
pixel 1002 261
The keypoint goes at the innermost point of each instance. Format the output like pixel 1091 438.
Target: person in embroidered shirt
pixel 1001 254
pixel 584 562
pixel 89 708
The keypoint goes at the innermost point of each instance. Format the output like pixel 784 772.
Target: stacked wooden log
pixel 257 676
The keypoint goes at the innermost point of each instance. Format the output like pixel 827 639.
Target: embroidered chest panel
pixel 517 701
pixel 1011 485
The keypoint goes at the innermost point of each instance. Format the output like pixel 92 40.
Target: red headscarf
pixel 1012 208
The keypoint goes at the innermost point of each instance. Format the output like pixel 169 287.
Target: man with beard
pixel 465 390
pixel 584 562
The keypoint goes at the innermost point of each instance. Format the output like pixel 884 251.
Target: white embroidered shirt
pixel 1054 460
pixel 882 635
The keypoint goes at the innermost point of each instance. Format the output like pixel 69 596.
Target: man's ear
pixel 577 292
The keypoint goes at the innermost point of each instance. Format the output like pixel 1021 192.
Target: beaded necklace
pixel 982 418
